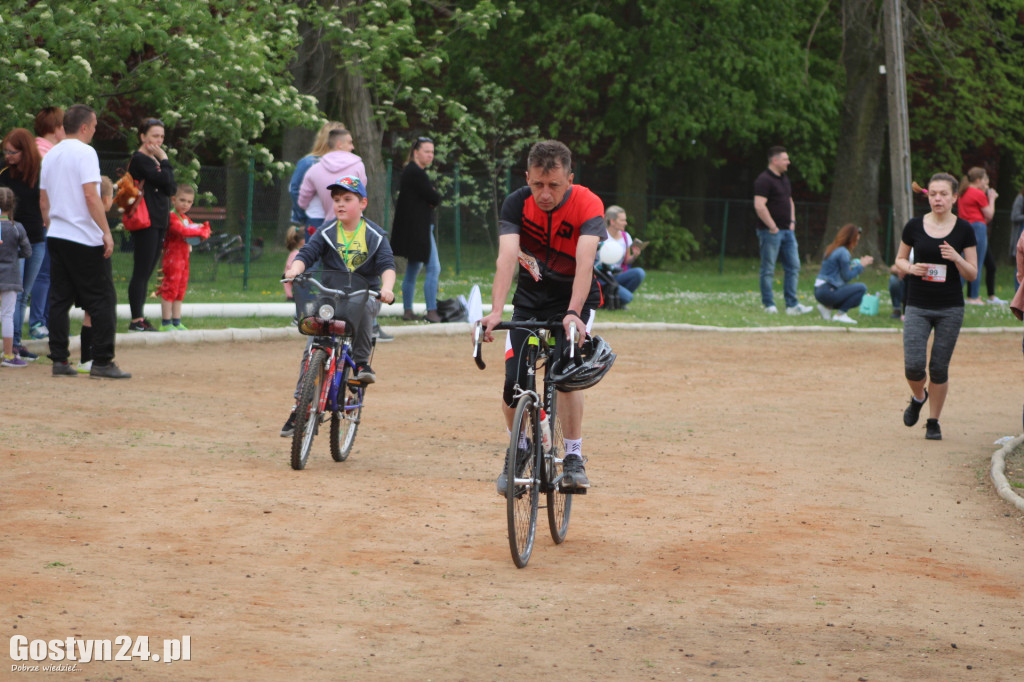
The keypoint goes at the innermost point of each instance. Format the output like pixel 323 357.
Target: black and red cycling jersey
pixel 549 238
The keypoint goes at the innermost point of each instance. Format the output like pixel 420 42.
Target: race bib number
pixel 530 264
pixel 936 272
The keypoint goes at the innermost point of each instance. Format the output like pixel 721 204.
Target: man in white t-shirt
pixel 80 245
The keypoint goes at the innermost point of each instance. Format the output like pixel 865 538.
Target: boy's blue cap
pixel 349 183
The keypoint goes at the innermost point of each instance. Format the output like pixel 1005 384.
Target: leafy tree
pixel 680 85
pixel 382 66
pixel 965 93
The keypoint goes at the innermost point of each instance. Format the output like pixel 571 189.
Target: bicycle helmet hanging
pixel 591 362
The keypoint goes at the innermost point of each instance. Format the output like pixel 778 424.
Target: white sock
pixel 573 446
pixel 522 437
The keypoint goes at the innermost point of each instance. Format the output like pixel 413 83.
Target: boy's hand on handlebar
pixel 387 296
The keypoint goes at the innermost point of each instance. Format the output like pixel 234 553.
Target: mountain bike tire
pixel 559 504
pixel 307 408
pixel 345 420
pixel 522 499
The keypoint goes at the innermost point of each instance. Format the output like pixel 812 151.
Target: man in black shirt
pixel 776 236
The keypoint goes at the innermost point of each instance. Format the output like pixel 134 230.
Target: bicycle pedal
pixel 573 491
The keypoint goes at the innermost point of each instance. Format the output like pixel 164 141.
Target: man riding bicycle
pixel 551 228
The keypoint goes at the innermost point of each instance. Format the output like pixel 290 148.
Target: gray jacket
pixel 15 245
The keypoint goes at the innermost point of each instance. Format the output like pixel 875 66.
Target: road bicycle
pixel 326 388
pixel 537 467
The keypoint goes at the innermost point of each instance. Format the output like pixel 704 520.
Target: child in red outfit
pixel 176 252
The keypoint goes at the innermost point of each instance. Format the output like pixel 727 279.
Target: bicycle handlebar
pixel 478 335
pixel 304 278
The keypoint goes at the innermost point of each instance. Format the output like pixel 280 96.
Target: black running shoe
pixel 364 373
pixel 289 426
pixel 913 411
pixel 524 456
pixel 25 353
pixel 932 430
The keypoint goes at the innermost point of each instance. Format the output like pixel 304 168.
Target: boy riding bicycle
pixel 350 244
pixel 551 228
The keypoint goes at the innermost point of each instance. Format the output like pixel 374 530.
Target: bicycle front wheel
pixel 559 504
pixel 307 408
pixel 522 491
pixel 345 420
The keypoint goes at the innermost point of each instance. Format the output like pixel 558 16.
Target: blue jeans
pixel 981 235
pixel 629 281
pixel 429 284
pixel 844 298
pixel 778 246
pixel 39 312
pixel 897 291
pixel 29 271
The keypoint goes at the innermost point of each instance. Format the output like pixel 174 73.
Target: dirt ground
pixel 759 512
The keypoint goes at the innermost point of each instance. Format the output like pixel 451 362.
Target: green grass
pixel 695 294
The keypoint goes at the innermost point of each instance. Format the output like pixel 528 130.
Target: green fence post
pixel 387 195
pixel 725 229
pixel 248 223
pixel 458 223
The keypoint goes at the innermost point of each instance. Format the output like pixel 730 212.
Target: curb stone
pixel 998 475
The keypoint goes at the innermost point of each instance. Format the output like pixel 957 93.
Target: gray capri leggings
pixel 917 326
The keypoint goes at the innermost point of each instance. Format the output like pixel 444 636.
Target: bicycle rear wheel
pixel 345 420
pixel 522 491
pixel 307 408
pixel 558 503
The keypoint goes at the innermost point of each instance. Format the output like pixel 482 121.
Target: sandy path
pixel 759 512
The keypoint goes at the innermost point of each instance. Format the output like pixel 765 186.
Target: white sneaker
pixel 798 309
pixel 826 314
pixel 84 367
pixel 996 301
pixel 770 309
pixel 844 318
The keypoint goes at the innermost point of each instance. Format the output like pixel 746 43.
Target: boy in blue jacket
pixel 351 244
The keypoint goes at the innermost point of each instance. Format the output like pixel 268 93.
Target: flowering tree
pixel 215 72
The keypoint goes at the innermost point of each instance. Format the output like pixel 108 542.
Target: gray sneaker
pixel 574 476
pixel 63 369
pixel 111 371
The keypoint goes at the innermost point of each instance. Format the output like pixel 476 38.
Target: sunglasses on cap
pixel 349 183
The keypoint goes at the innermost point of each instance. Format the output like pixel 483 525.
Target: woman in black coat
pixel 412 234
pixel 149 164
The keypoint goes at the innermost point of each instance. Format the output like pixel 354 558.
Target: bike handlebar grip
pixel 478 334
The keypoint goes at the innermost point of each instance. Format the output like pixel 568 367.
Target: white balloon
pixel 612 252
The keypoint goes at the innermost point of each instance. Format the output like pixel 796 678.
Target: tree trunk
pixel 632 163
pixel 312 71
pixel 356 108
pixel 855 190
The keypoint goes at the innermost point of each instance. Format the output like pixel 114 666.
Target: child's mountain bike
pixel 326 389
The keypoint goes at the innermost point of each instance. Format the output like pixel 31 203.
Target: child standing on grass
pixel 176 254
pixel 14 245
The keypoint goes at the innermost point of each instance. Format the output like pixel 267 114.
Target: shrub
pixel 671 244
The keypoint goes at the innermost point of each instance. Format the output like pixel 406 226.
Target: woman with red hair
pixel 20 173
pixel 832 288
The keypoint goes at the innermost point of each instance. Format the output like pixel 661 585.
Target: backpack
pixel 453 309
